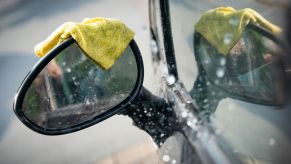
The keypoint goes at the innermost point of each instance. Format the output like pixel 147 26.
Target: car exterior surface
pixel 239 131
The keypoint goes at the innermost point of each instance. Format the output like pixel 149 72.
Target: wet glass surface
pixel 186 13
pixel 253 67
pixel 72 89
pixel 252 133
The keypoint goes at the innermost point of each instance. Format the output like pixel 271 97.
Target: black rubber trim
pixel 168 39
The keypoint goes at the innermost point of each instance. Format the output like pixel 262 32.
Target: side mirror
pixel 66 91
pixel 252 71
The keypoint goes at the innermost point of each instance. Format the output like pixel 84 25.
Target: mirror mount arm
pixel 153 115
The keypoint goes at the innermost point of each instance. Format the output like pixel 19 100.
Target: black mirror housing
pixel 79 120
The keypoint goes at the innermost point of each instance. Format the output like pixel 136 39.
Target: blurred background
pixel 24 23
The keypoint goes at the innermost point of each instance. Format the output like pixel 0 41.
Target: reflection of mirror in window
pixel 253 133
pixel 251 69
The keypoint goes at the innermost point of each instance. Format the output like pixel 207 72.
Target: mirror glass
pixel 252 68
pixel 72 89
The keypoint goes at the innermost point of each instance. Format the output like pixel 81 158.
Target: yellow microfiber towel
pixel 223 26
pixel 102 39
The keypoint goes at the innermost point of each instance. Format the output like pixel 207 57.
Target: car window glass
pixel 252 68
pixel 254 133
pixel 186 13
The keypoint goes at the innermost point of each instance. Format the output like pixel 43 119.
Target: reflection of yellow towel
pixel 223 26
pixel 103 40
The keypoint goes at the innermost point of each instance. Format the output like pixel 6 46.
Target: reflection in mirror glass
pixel 72 89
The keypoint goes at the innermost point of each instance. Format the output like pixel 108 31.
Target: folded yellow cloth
pixel 102 39
pixel 223 26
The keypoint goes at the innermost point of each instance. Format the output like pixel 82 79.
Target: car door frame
pixel 193 126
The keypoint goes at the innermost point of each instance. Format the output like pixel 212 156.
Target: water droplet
pixel 166 158
pixel 184 114
pixel 272 141
pixel 174 161
pixel 87 102
pixel 227 38
pixel 171 80
pixel 74 78
pixel 220 72
pixel 230 82
pixel 206 61
pixel 149 114
pixel 222 61
pixel 64 63
pixel 189 123
pixel 68 70
pixel 154 46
